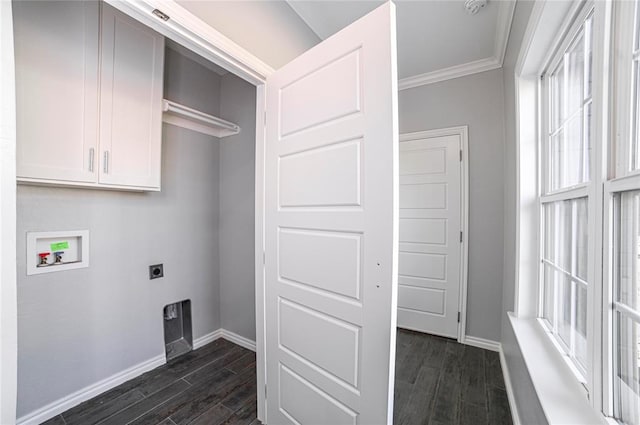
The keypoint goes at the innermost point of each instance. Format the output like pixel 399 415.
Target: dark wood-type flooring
pixel 215 384
pixel 438 381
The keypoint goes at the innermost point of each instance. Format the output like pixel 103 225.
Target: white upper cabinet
pixel 89 95
pixel 56 48
pixel 130 101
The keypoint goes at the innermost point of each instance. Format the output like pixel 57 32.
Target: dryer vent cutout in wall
pixel 178 337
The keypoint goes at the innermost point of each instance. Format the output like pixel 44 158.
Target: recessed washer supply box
pixel 73 243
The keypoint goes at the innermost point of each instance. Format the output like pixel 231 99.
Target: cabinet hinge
pixel 460 155
pixel 458 317
pixel 460 237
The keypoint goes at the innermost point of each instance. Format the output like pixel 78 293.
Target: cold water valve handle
pixel 58 256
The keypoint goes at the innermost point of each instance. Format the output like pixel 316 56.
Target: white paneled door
pixel 331 229
pixel 430 231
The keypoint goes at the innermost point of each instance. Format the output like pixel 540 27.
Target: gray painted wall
pixel 191 84
pixel 237 209
pixel 528 404
pixel 475 101
pixel 80 326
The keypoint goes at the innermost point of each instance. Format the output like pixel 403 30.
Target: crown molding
pixel 506 11
pixel 450 73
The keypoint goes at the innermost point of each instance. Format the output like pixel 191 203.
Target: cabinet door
pixel 56 48
pixel 131 102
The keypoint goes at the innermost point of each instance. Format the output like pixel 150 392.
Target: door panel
pixel 331 229
pixel 430 225
pixel 304 403
pixel 300 249
pixel 422 299
pixel 331 175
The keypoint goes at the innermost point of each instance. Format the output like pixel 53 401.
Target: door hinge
pixel 458 317
pixel 460 155
pixel 460 237
pixel 265 118
pixel 265 392
pixel 264 257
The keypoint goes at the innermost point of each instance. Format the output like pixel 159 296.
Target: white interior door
pixel 430 231
pixel 330 229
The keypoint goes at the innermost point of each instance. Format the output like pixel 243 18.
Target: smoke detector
pixel 473 6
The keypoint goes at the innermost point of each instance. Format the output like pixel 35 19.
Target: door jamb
pixel 8 201
pixel 463 133
pixel 261 330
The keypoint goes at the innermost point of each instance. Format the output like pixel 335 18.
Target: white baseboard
pixel 240 340
pixel 487 344
pixel 225 334
pixel 65 403
pixel 507 384
pixel 205 339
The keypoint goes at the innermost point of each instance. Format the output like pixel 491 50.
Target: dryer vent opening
pixel 178 337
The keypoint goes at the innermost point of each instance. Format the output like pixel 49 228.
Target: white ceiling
pixel 433 35
pixel 437 39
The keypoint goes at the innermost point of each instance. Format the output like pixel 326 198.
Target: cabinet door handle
pixel 106 162
pixel 91 159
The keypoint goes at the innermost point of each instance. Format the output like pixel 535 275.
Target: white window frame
pixel 564 41
pixel 620 178
pixel 554 377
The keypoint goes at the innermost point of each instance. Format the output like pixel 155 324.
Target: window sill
pixel 561 395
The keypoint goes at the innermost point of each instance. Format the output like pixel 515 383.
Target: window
pixel 627 307
pixel 635 56
pixel 584 97
pixel 564 201
pixel 624 190
pixel 569 111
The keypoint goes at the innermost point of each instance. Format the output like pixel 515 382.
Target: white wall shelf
pixel 183 116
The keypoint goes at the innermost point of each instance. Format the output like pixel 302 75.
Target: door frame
pixel 188 30
pixel 463 132
pixel 8 278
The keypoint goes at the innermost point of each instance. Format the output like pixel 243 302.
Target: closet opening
pixel 209 116
pixel 150 148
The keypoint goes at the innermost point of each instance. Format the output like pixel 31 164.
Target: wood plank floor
pixel 215 384
pixel 438 381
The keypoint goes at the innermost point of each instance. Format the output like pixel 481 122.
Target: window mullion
pixel 574 272
pixel 556 281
